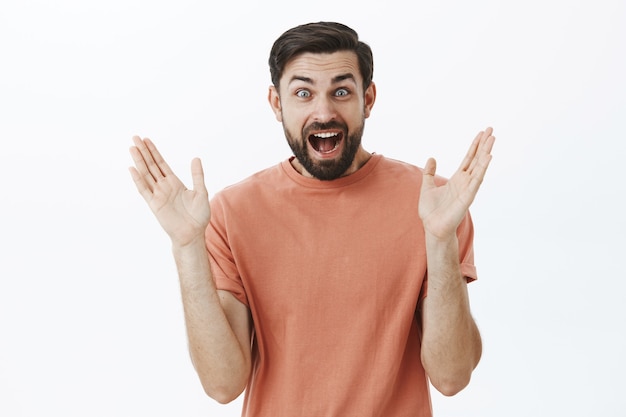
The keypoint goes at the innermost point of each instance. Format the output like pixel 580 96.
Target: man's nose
pixel 324 110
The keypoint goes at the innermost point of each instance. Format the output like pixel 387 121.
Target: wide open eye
pixel 342 92
pixel 303 93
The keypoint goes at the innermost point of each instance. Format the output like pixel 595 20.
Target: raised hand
pixel 443 207
pixel 184 214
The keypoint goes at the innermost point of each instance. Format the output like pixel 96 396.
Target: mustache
pixel 326 126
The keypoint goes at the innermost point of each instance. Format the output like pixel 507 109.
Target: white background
pixel 90 314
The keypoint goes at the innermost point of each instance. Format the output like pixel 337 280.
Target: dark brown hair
pixel 320 37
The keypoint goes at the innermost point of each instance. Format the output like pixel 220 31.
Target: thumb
pixel 429 173
pixel 197 175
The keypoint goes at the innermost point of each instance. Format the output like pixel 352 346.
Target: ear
pixel 274 100
pixel 369 99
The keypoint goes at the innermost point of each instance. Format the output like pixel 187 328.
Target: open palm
pixel 443 207
pixel 184 214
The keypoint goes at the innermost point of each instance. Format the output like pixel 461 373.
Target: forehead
pixel 322 66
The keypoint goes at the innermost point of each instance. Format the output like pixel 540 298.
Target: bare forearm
pixel 451 344
pixel 221 362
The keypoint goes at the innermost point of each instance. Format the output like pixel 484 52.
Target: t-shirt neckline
pixel 339 182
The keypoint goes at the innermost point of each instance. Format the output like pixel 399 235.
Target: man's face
pixel 323 108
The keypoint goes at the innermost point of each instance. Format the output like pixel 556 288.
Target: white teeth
pixel 325 135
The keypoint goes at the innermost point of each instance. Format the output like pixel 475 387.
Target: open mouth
pixel 325 142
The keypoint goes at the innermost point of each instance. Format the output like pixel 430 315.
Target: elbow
pixel 450 377
pixel 225 384
pixel 223 394
pixel 224 397
pixel 223 389
pixel 451 381
pixel 452 385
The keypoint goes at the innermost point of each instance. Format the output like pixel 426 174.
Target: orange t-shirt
pixel 332 272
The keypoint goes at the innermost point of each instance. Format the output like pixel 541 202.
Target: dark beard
pixel 326 170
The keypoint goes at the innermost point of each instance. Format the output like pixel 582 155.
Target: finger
pixel 428 178
pixel 197 176
pixel 158 159
pixel 478 172
pixel 141 168
pixel 477 177
pixel 487 145
pixel 484 148
pixel 471 153
pixel 481 166
pixel 486 141
pixel 151 167
pixel 140 183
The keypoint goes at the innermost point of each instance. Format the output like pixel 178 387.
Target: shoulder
pixel 396 165
pixel 403 172
pixel 259 188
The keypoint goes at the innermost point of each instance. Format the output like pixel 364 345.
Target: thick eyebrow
pixel 335 80
pixel 344 77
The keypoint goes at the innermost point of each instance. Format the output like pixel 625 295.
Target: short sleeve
pixel 223 267
pixel 465 236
